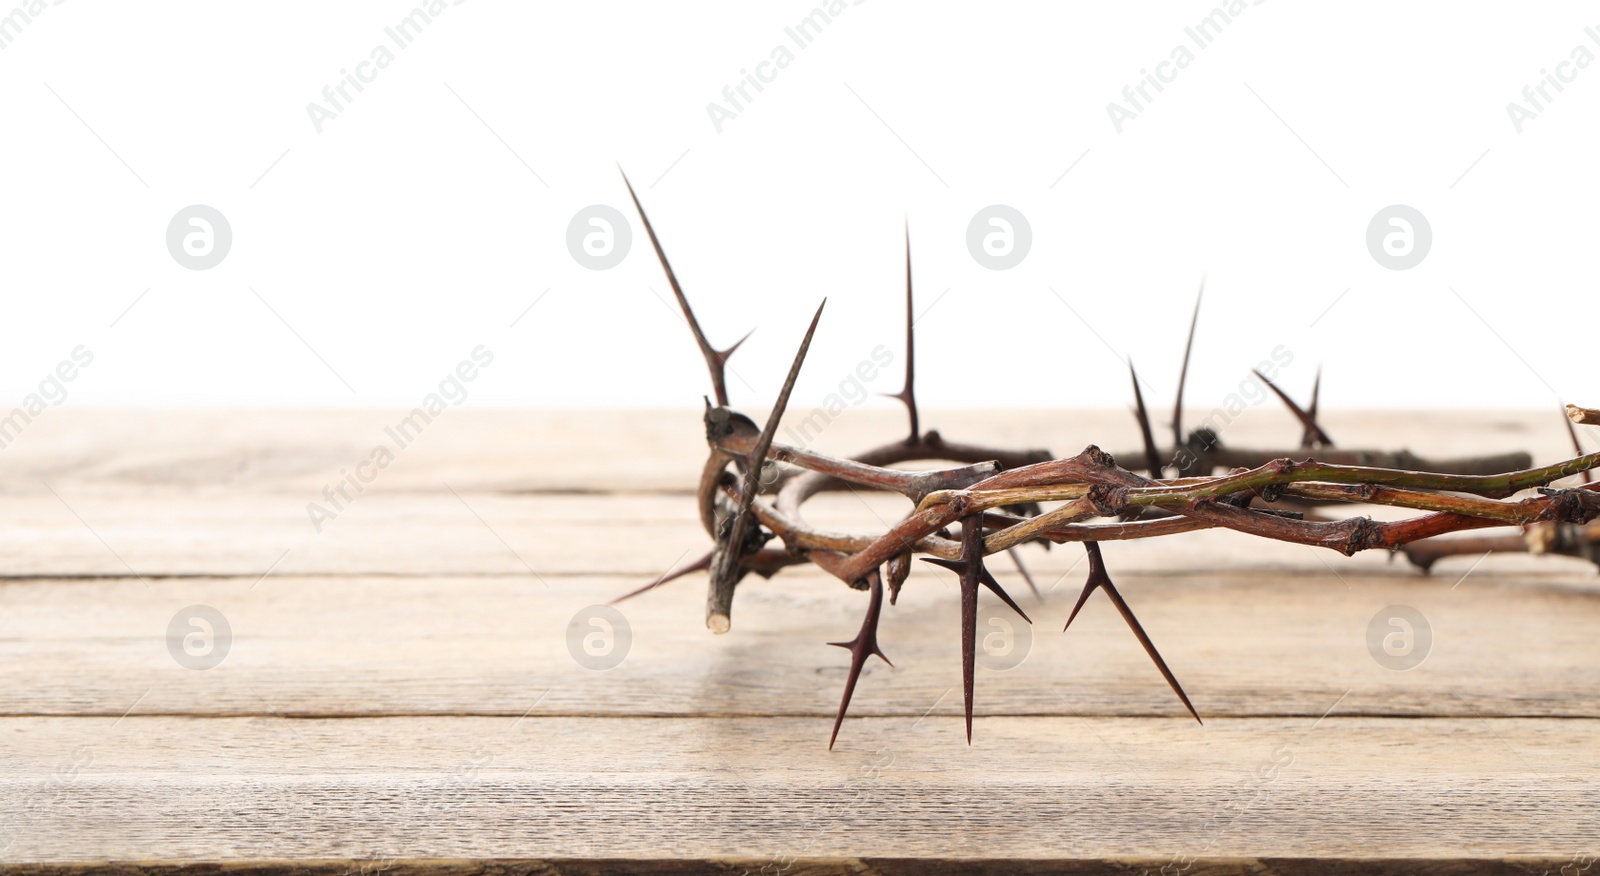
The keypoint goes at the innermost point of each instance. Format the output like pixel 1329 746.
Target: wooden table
pixel 398 691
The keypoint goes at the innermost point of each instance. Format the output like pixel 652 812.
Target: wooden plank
pixel 113 532
pixel 400 690
pixel 1153 791
pixel 89 533
pixel 96 493
pixel 1243 644
pixel 301 451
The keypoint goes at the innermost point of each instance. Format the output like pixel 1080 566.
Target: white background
pixel 427 216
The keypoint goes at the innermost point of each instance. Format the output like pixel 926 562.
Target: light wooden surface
pixel 399 692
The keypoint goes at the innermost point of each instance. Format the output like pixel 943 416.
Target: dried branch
pixel 726 565
pixel 1546 539
pixel 1577 446
pixel 995 495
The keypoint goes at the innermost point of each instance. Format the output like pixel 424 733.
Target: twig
pixel 995 495
pixel 726 564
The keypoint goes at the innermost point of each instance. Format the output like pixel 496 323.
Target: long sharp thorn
pixel 1313 432
pixel 1023 570
pixel 1183 372
pixel 908 395
pixel 970 567
pixel 725 568
pixel 1149 647
pixel 723 356
pixel 1098 577
pixel 1577 445
pixel 988 581
pixel 864 645
pixel 1316 394
pixel 971 549
pixel 984 578
pixel 971 575
pixel 1152 457
pixel 1090 585
pixel 715 359
pixel 670 575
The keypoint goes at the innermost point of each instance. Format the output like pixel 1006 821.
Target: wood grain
pixel 100 532
pixel 399 691
pixel 1157 790
pixel 1243 644
pixel 300 451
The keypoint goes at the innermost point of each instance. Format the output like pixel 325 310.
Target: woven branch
pixel 752 490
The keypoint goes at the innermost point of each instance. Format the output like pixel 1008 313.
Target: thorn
pixel 908 395
pixel 970 568
pixel 1099 579
pixel 1152 457
pixel 716 360
pixel 1088 588
pixel 1183 372
pixel 1017 559
pixel 969 629
pixel 1316 393
pixel 984 578
pixel 723 356
pixel 861 647
pixel 972 551
pixel 1313 433
pixel 725 566
pixel 669 575
pixel 994 586
pixel 1423 564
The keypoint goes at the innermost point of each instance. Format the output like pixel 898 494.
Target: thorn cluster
pixel 997 498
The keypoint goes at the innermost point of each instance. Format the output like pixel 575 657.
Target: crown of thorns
pixel 994 499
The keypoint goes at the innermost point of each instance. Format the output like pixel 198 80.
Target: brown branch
pixel 1551 539
pixel 997 494
pixel 726 565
